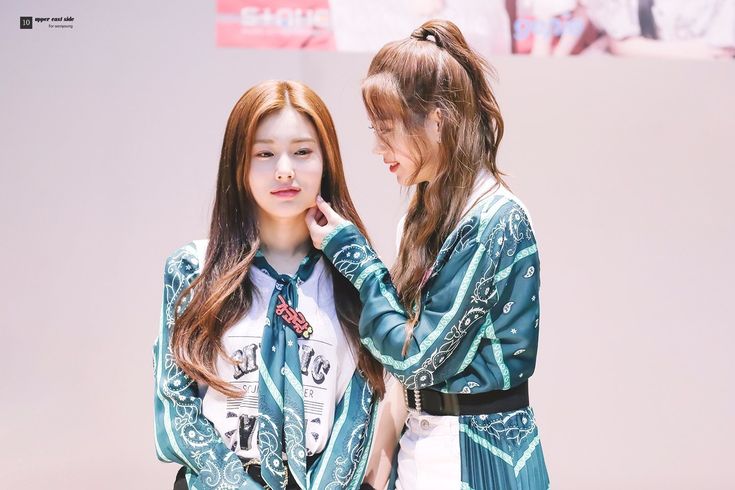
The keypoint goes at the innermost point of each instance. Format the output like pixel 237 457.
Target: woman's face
pixel 285 164
pixel 394 145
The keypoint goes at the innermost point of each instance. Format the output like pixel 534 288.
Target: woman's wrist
pixel 350 253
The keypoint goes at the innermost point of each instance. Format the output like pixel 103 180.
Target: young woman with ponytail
pixel 456 318
pixel 261 380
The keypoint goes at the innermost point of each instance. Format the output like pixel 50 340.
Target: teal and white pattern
pixel 502 451
pixel 185 436
pixel 477 331
pixel 280 393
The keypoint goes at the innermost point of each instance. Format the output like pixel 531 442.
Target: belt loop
pixel 450 404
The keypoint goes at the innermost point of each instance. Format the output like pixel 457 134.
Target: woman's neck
pixel 284 242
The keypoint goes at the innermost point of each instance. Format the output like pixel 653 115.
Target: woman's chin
pixel 402 180
pixel 287 210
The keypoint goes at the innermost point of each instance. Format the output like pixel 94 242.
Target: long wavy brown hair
pixel 433 69
pixel 223 292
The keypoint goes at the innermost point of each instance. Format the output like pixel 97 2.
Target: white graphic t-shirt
pixel 327 365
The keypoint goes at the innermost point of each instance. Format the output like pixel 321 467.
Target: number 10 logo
pixel 26 22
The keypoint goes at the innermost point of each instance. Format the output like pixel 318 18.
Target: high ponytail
pixel 447 36
pixel 434 68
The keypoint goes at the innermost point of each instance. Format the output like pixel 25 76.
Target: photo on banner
pixel 689 29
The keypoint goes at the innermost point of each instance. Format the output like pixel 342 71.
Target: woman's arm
pixel 392 414
pixel 496 250
pixel 183 434
pixel 689 49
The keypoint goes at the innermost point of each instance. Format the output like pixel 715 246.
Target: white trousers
pixel 429 454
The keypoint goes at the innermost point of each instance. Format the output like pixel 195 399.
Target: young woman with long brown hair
pixel 456 318
pixel 260 376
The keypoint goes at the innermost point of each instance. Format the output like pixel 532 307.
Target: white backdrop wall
pixel 109 142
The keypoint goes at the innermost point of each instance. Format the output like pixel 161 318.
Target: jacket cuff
pixel 351 254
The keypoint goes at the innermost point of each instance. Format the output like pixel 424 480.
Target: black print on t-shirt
pixel 247 424
pixel 319 366
pixel 246 361
pixel 314 434
pixel 320 369
pixel 245 429
pixel 306 354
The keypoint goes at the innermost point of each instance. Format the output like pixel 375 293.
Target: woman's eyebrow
pixel 304 139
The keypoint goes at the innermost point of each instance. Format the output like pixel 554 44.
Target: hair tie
pixel 425 35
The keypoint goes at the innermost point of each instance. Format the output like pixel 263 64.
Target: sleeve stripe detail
pixel 438 330
pixel 164 402
pixel 368 270
pixel 475 345
pixel 392 300
pixel 431 338
pixel 335 431
pixel 159 452
pixel 360 472
pixel 332 233
pixel 498 353
pixel 526 252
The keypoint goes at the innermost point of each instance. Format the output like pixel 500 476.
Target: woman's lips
pixel 286 193
pixel 393 167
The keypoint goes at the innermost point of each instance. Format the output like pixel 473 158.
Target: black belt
pixel 438 403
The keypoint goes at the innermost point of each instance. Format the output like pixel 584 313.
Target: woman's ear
pixel 433 125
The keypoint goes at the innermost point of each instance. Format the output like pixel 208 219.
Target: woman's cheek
pixel 314 185
pixel 315 169
pixel 257 182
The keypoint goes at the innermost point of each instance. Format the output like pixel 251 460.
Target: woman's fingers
pixel 321 220
pixel 327 210
pixel 311 218
pixel 316 230
pixel 315 217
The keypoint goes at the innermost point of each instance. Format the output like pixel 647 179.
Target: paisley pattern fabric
pixel 185 436
pixel 502 451
pixel 477 330
pixel 280 392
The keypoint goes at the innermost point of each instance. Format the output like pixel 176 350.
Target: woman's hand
pixel 321 221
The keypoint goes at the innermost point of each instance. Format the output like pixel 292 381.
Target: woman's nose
pixel 284 169
pixel 378 146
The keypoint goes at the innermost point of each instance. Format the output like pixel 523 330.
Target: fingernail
pixel 319 198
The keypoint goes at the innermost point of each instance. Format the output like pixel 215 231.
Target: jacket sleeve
pixel 489 254
pixel 183 434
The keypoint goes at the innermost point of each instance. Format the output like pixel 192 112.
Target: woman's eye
pixel 264 154
pixel 380 130
pixel 304 152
